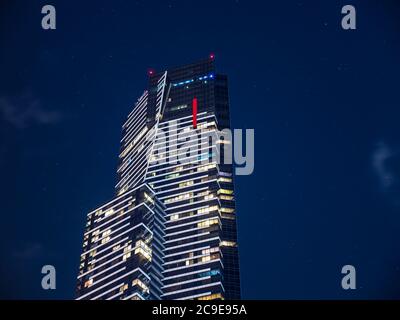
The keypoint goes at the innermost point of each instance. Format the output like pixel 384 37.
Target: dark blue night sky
pixel 324 103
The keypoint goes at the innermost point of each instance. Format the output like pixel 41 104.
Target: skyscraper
pixel 170 232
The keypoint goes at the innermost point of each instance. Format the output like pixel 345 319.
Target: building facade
pixel 170 232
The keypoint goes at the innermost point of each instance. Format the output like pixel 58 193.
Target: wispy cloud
pixel 380 156
pixel 29 251
pixel 386 165
pixel 26 110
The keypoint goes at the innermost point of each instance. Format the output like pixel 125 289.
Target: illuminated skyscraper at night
pixel 170 232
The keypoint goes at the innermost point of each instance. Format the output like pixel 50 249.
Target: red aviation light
pixel 150 72
pixel 194 111
pixel 212 56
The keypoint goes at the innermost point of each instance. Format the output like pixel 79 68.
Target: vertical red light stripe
pixel 194 109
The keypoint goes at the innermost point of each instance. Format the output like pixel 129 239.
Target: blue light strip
pixel 209 76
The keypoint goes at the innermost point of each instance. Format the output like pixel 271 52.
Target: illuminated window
pixel 227 244
pixel 206 210
pixel 223 142
pixel 127 252
pixel 91 263
pixel 88 283
pixel 98 212
pixel 205 125
pixel 130 146
pixel 177 169
pixel 108 213
pixel 209 197
pixel 141 285
pixel 106 233
pixel 131 203
pixel 140 148
pixel 126 150
pixel 124 189
pixel 227 210
pixel 186 184
pixel 181 197
pixel 206 167
pixel 143 249
pixel 123 288
pixel 148 198
pixel 203 193
pixel 225 197
pixel 227 216
pixel 223 179
pixel 174 175
pixel 190 260
pixel 225 191
pixel 187 129
pixel 207 223
pixel 180 107
pixel 210 257
pixel 105 236
pixel 174 217
pixel 212 297
pixel 210 250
